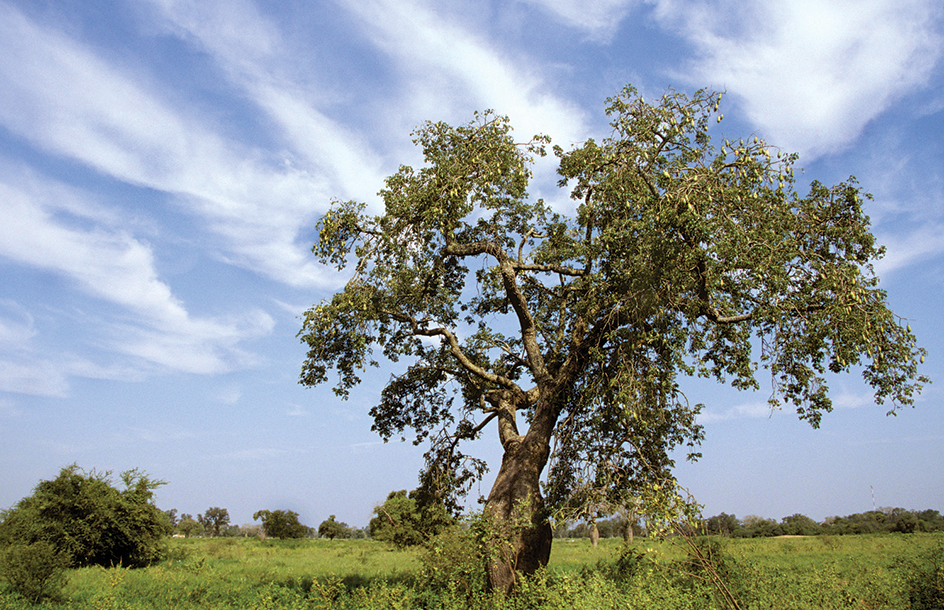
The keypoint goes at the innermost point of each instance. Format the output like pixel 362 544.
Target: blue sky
pixel 163 164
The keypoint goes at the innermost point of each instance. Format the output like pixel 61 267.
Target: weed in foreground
pixel 925 581
pixel 37 571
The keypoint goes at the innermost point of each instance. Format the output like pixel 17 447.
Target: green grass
pixel 864 572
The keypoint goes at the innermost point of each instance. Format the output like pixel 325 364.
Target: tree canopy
pixel 570 333
pixel 407 520
pixel 214 521
pixel 331 529
pixel 281 524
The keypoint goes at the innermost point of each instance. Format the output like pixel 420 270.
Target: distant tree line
pixel 885 520
pixel 404 520
pixel 616 527
pixel 283 524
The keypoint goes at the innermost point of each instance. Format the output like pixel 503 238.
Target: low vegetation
pixel 870 571
pixel 78 542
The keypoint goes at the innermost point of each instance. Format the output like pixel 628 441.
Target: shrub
pixel 408 520
pixel 455 559
pixel 88 521
pixel 36 571
pixel 926 581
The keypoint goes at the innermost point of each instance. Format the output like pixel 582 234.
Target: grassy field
pixel 864 572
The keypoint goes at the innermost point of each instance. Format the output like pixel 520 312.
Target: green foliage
pixel 926 580
pixel 616 527
pixel 90 522
pixel 874 572
pixel 281 524
pixel 36 571
pixel 406 520
pixel 723 524
pixel 682 258
pixel 214 521
pixel 886 520
pixel 332 529
pixel 188 526
pixel 799 525
pixel 454 560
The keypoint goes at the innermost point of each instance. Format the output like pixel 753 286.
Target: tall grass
pixel 866 572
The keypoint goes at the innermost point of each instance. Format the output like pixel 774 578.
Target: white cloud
pixel 450 70
pixel 297 411
pixel 598 18
pixel 905 249
pixel 848 400
pixel 810 74
pixel 229 395
pixel 36 378
pixel 111 265
pixel 253 56
pixel 60 96
pixel 16 323
pixel 9 409
pixel 749 410
pixel 260 454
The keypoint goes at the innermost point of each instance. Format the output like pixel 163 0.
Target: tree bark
pixel 519 534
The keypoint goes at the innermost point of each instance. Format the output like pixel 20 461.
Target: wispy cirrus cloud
pixel 598 18
pixel 810 74
pixel 906 249
pixel 449 69
pixel 60 96
pixel 748 410
pixel 252 54
pixel 106 263
pixel 761 409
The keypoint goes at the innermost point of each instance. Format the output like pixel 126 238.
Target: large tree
pixel 682 258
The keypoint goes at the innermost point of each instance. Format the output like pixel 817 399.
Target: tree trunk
pixel 628 529
pixel 519 533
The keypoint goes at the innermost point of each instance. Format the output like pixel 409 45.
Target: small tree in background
pixel 723 524
pixel 171 517
pixel 88 521
pixel 799 525
pixel 333 529
pixel 215 520
pixel 188 526
pixel 281 524
pixel 405 520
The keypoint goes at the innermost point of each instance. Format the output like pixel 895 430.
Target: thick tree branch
pixel 416 328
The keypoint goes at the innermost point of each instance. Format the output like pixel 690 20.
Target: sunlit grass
pixel 815 572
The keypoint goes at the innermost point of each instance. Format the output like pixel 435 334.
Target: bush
pixel 87 521
pixel 926 581
pixel 408 520
pixel 36 571
pixel 455 559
